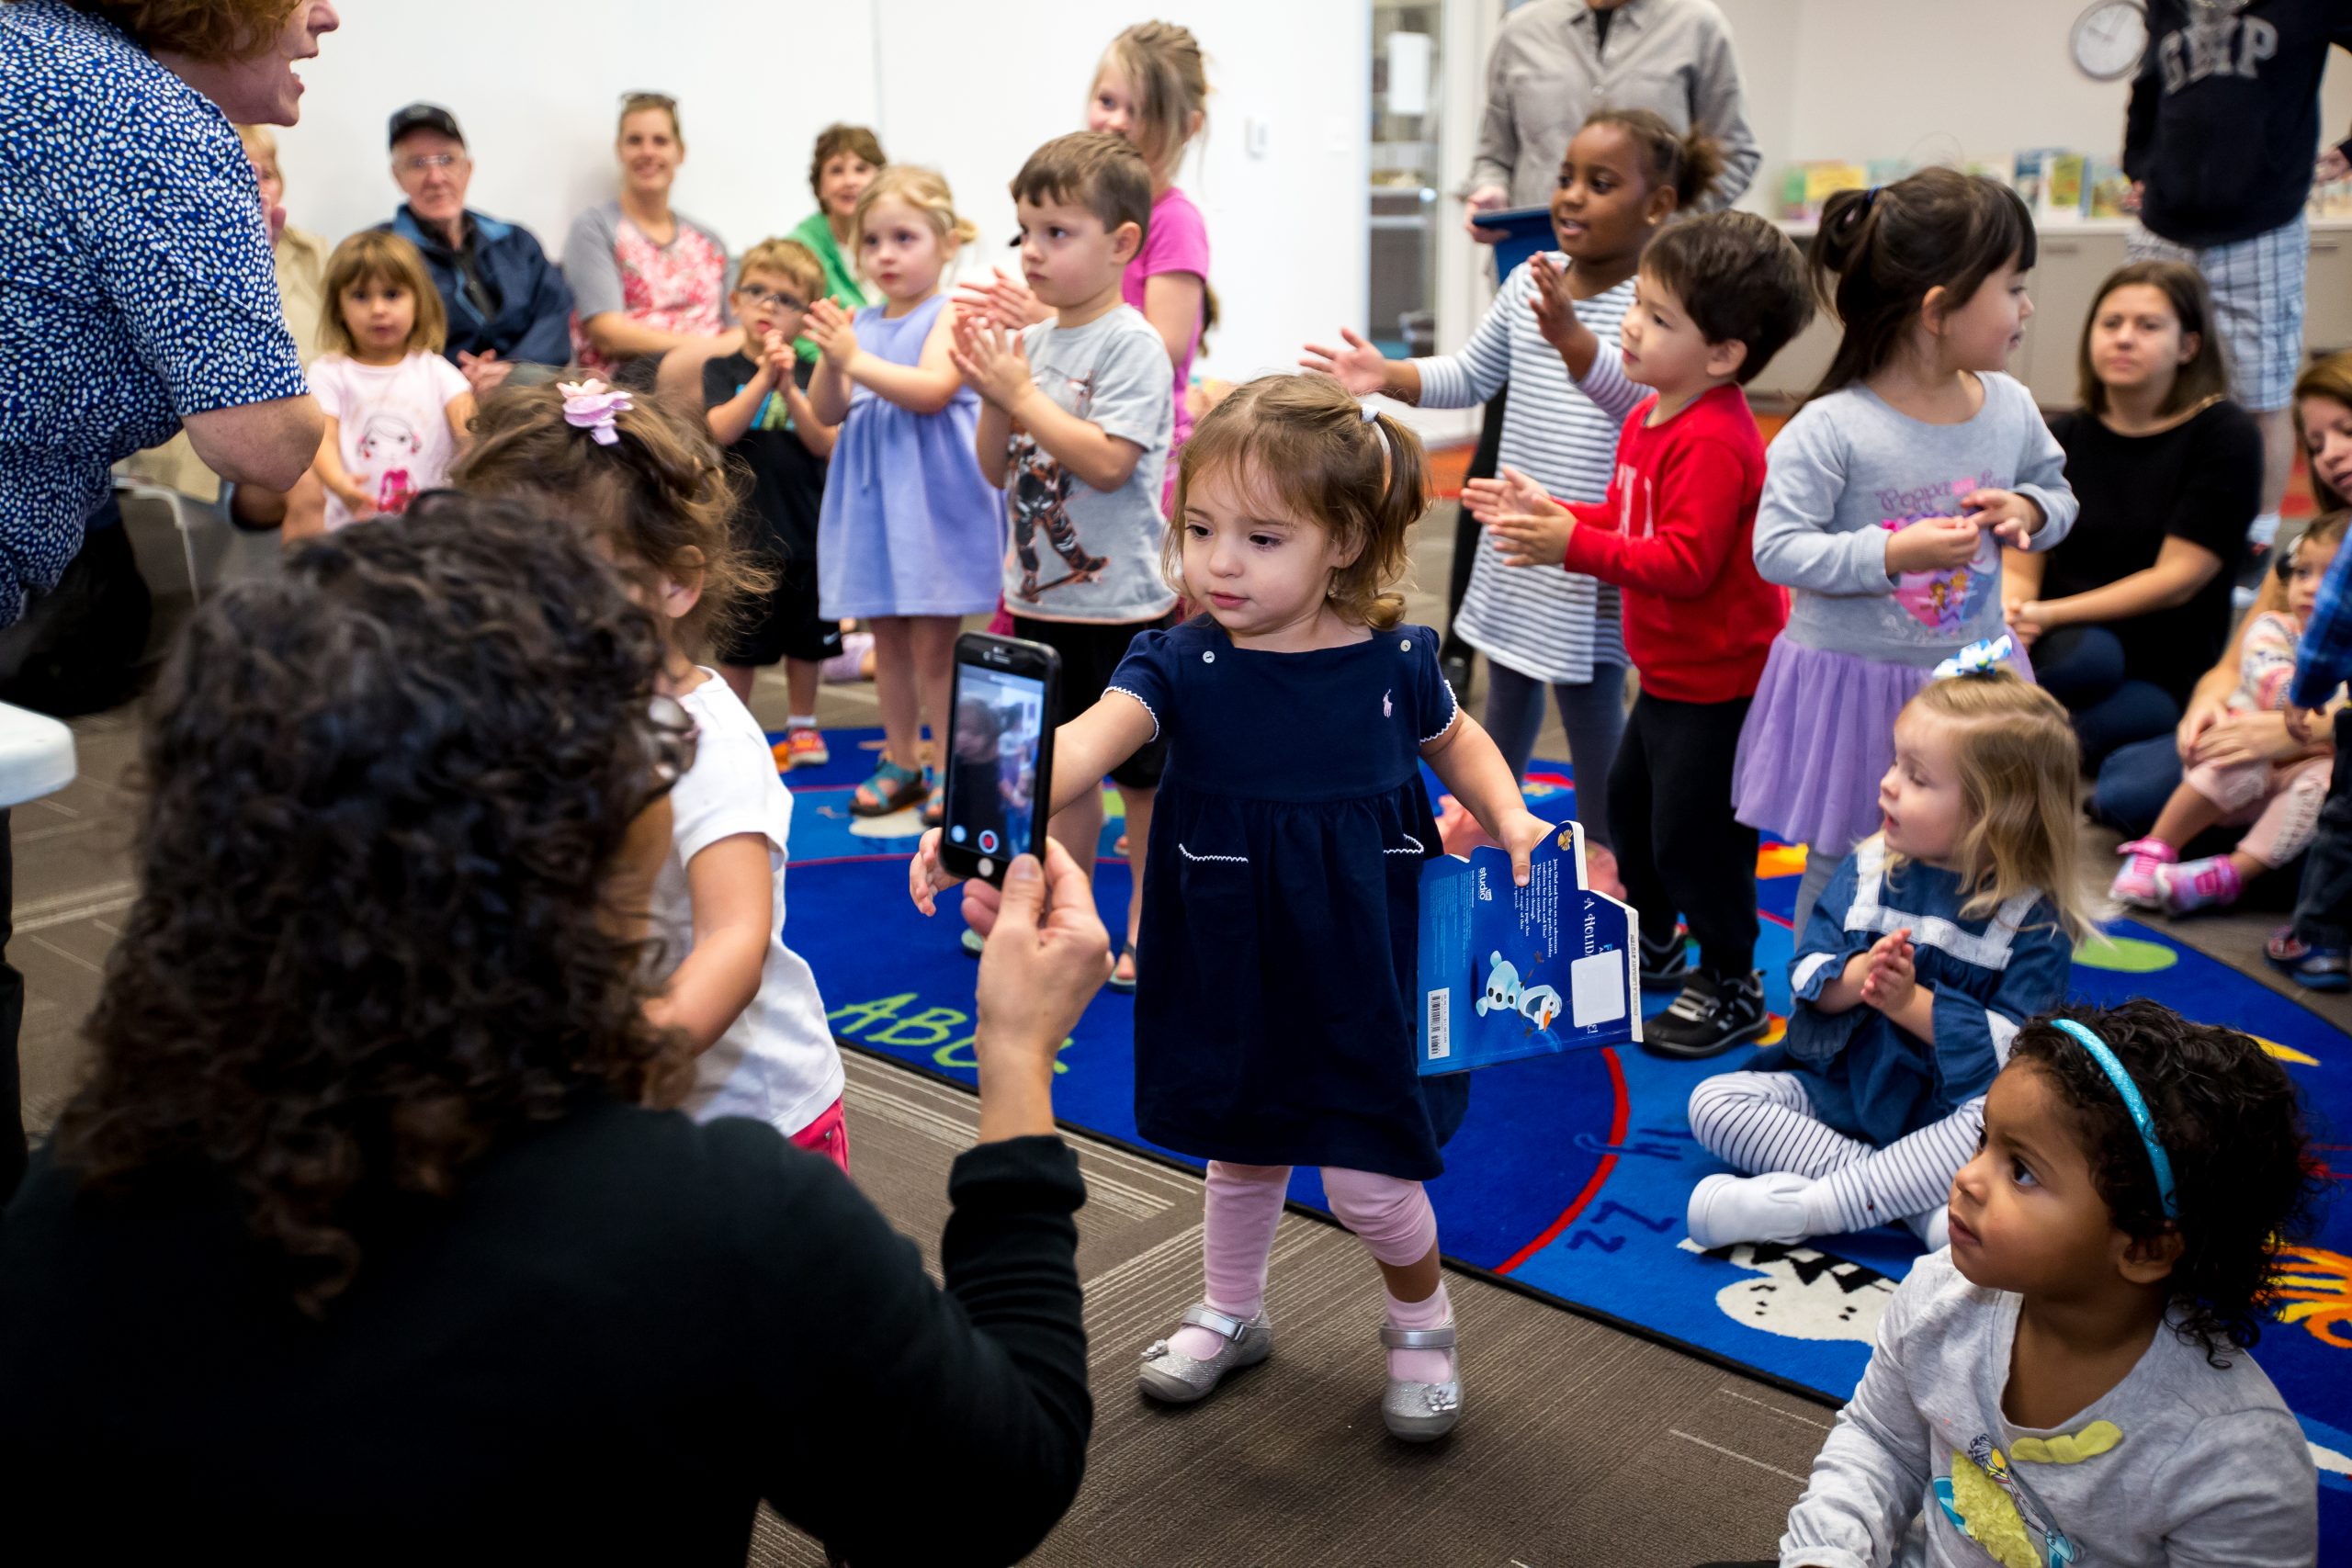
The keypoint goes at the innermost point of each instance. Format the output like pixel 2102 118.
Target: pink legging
pixel 1393 1217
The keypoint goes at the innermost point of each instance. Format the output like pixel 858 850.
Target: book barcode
pixel 1439 1033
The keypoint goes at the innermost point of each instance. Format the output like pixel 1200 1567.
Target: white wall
pixel 971 91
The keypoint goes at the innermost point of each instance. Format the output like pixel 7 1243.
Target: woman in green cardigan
pixel 847 159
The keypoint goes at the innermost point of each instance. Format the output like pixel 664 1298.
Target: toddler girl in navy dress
pixel 1274 1021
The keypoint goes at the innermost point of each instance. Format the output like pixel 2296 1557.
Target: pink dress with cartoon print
pixel 391 426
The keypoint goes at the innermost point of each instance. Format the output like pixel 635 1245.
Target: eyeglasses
pixel 758 296
pixel 425 163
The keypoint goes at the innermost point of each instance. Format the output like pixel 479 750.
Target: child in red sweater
pixel 1715 299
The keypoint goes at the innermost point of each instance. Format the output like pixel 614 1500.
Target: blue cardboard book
pixel 1508 972
pixel 1529 230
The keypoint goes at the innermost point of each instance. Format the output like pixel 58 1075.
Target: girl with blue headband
pixel 2068 1383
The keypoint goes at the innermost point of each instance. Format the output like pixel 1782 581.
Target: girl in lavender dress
pixel 1889 498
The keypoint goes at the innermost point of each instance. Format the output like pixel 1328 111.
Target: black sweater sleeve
pixel 859 1365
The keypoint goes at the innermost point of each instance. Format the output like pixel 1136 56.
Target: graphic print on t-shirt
pixel 388 445
pixel 1039 489
pixel 1945 599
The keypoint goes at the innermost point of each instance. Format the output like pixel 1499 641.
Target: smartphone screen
pixel 993 764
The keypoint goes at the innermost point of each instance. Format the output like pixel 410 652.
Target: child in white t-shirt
pixel 397 411
pixel 649 483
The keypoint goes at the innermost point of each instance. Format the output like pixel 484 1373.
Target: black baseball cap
pixel 425 116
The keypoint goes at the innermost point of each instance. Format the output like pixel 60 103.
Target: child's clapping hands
pixel 778 359
pixel 1891 982
pixel 991 359
pixel 829 328
pixel 1527 526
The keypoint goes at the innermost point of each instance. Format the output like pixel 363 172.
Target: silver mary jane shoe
pixel 1180 1379
pixel 1420 1412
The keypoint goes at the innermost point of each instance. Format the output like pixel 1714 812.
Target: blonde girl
pixel 1936 938
pixel 910 537
pixel 396 411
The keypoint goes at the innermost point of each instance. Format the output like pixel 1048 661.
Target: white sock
pixel 801 721
pixel 1933 1228
pixel 1727 1209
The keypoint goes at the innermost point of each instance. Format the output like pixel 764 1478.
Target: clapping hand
pixel 1527 526
pixel 1892 979
pixel 829 327
pixel 778 359
pixel 1005 301
pixel 992 361
pixel 484 372
pixel 1359 366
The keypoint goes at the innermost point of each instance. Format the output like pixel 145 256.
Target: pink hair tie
pixel 589 405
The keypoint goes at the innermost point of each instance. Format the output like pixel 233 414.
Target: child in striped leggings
pixel 1935 940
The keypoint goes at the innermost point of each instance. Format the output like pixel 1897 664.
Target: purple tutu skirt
pixel 1819 736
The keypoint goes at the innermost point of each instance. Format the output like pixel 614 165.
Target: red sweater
pixel 1678 532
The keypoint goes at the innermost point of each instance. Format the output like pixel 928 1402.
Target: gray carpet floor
pixel 1584 1444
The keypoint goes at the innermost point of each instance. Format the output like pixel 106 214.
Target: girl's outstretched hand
pixel 1555 313
pixel 1358 367
pixel 1519 832
pixel 2013 519
pixel 926 878
pixel 828 326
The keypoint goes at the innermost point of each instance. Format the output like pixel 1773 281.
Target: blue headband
pixel 2133 1103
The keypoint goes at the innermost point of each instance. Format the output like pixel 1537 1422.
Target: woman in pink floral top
pixel 646 279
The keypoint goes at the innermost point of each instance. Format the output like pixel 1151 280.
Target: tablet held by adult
pixel 130 215
pixel 506 303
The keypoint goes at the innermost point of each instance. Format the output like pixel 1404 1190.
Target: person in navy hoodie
pixel 507 304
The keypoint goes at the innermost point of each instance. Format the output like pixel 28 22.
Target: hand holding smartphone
pixel 1000 755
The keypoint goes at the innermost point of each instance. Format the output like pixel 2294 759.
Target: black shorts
pixel 783 622
pixel 1091 651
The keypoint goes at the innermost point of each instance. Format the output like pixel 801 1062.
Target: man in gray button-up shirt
pixel 1552 66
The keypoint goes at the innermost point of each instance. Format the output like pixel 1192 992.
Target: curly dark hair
pixel 2231 1122
pixel 376 932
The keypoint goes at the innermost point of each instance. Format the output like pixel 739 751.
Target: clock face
pixel 2108 40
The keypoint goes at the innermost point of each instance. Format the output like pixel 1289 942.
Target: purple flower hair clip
pixel 589 405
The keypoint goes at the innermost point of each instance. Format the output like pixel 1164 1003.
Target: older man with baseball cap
pixel 507 304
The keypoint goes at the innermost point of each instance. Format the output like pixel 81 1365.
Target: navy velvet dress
pixel 1277 1012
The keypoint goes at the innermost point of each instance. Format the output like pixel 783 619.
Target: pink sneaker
pixel 2136 883
pixel 2198 884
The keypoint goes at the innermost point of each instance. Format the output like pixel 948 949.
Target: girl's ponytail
pixel 1702 166
pixel 1842 237
pixel 1404 496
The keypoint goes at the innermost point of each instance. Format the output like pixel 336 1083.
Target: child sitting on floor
pixel 2283 801
pixel 1934 940
pixel 2069 1383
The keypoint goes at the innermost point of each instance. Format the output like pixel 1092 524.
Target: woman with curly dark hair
pixel 357 1244
pixel 2069 1382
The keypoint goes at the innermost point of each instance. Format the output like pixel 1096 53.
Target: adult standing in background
pixel 647 280
pixel 2218 143
pixel 506 303
pixel 846 159
pixel 1555 61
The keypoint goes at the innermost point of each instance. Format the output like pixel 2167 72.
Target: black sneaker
pixel 1666 966
pixel 1457 665
pixel 1710 1016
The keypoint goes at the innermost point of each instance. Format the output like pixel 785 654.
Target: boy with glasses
pixel 757 399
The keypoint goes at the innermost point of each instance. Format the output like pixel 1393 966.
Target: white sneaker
pixel 1727 1209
